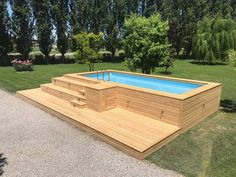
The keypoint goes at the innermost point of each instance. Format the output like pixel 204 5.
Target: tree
pixel 73 15
pixel 214 37
pixel 132 7
pixel 23 26
pixel 232 57
pixel 42 14
pixel 88 48
pixel 145 42
pixel 98 15
pixel 113 27
pixel 60 11
pixel 5 43
pixel 169 60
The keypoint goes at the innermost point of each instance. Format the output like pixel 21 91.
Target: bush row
pixel 38 58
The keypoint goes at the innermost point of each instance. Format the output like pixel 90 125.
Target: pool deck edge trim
pixel 207 85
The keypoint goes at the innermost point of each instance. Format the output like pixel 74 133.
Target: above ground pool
pixel 171 86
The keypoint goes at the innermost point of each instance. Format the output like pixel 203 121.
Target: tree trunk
pixel 113 52
pixel 166 69
pixel 25 56
pixel 63 58
pixel 146 70
pixel 46 58
pixel 90 68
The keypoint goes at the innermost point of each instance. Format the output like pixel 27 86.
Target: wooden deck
pixel 136 120
pixel 133 133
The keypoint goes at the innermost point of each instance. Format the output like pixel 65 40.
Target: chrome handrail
pixel 109 76
pixel 103 73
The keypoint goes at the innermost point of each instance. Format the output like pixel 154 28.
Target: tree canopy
pixel 60 12
pixel 214 38
pixel 22 26
pixel 145 42
pixel 88 46
pixel 5 43
pixel 42 14
pixel 66 18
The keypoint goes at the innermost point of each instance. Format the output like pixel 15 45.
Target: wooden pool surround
pixel 135 120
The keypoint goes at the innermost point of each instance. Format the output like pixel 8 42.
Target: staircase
pixel 69 88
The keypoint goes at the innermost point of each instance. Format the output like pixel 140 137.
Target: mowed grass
pixel 13 81
pixel 208 149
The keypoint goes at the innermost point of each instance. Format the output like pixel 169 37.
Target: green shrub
pixel 145 42
pixel 20 65
pixel 232 57
pixel 88 48
pixel 214 37
pixel 169 60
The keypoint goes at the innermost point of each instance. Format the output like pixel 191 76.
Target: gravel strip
pixel 36 144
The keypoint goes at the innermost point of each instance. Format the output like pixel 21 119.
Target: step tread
pixel 76 82
pixel 82 91
pixel 81 103
pixel 62 89
pixel 77 77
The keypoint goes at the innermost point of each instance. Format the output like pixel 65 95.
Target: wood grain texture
pixel 200 106
pixel 139 135
pixel 136 120
pixel 155 106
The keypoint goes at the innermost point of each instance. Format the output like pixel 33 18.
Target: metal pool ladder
pixel 103 72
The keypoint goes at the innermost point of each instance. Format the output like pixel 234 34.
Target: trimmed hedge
pixel 39 59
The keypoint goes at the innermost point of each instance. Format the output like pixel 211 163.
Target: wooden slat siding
pixel 108 98
pixel 93 99
pixel 154 106
pixel 61 93
pixel 61 83
pixel 196 108
pixel 198 98
pixel 100 100
pixel 67 84
pixel 199 114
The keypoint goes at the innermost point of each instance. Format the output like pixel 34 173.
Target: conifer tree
pixel 114 24
pixel 5 44
pixel 60 10
pixel 42 14
pixel 22 26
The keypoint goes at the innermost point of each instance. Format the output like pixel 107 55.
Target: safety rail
pixel 103 72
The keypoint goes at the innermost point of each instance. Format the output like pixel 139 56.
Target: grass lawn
pixel 208 149
pixel 13 81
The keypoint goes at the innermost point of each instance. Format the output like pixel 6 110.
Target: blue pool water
pixel 153 83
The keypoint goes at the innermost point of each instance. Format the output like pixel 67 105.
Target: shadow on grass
pixel 228 106
pixel 3 162
pixel 165 73
pixel 205 63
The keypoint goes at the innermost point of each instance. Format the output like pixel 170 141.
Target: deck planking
pixel 136 120
pixel 132 130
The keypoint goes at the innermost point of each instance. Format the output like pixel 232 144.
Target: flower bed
pixel 22 65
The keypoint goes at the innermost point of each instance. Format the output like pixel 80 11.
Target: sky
pixel 9 9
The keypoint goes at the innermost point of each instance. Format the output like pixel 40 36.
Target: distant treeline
pixel 57 21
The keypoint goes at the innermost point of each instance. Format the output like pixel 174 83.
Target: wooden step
pixel 69 83
pixel 62 92
pixel 133 133
pixel 80 78
pixel 79 104
pixel 82 92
